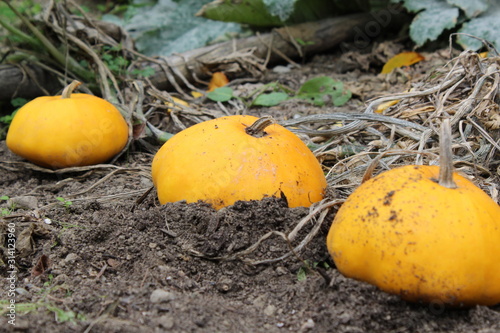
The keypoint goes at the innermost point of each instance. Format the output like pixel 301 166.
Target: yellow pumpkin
pixel 410 236
pixel 67 130
pixel 218 162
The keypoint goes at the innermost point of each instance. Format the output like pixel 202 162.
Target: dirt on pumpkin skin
pixel 107 264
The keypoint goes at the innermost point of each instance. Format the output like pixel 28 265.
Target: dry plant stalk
pixel 466 88
pixel 446 156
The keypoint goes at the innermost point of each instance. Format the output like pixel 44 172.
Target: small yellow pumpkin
pixel 67 130
pixel 407 234
pixel 233 158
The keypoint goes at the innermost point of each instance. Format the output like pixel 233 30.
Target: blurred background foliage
pixel 164 27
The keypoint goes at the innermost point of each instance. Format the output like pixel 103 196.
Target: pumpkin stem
pixel 258 127
pixel 70 88
pixel 446 156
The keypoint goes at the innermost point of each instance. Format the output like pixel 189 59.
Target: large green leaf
pixel 486 26
pixel 251 12
pixel 435 16
pixel 317 89
pixel 168 26
pixel 418 5
pixel 481 17
pixel 270 99
pixel 221 94
pixel 268 13
pixel 282 9
pixel 471 8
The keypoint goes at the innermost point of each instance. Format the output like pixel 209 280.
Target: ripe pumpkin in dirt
pixel 67 130
pixel 409 235
pixel 233 158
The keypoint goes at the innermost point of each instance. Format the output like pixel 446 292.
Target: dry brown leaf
pixel 41 266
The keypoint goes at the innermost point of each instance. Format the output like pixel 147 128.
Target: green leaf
pixel 471 8
pixel 18 101
pixel 222 94
pixel 253 12
pixel 303 43
pixel 301 274
pixel 486 26
pixel 417 5
pixel 430 23
pixel 268 13
pixel 270 99
pixel 280 8
pixel 317 89
pixel 166 27
pixel 64 202
pixel 144 72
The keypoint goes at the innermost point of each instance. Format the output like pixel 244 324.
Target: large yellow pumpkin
pixel 67 130
pixel 218 162
pixel 410 236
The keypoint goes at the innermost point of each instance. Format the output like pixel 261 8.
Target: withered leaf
pixel 41 266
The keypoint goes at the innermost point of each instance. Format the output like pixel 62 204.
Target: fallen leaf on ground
pixel 41 266
pixel 218 80
pixel 175 102
pixel 401 60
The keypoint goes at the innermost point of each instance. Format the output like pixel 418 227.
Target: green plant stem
pixel 72 64
pixel 160 135
pixel 27 38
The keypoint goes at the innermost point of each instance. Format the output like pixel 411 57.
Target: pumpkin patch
pixel 67 130
pixel 202 213
pixel 220 162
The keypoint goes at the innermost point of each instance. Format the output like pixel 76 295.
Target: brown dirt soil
pixel 118 266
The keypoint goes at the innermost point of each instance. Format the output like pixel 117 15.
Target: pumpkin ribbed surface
pixel 57 132
pixel 218 162
pixel 408 235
